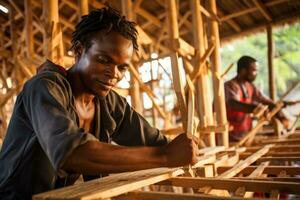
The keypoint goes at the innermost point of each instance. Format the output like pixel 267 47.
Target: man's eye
pixel 103 60
pixel 123 68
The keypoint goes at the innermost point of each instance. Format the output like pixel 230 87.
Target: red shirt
pixel 246 93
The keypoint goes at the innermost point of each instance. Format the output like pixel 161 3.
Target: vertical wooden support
pixel 218 83
pixel 83 7
pixel 177 81
pixel 54 50
pixel 134 91
pixel 272 90
pixel 29 28
pixel 203 94
pixel 13 32
pixel 152 86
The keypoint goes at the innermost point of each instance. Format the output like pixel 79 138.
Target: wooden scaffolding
pixel 189 33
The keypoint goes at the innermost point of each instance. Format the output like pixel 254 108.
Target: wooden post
pixel 177 81
pixel 272 89
pixel 218 84
pixel 134 91
pixel 54 50
pixel 29 28
pixel 83 7
pixel 152 86
pixel 203 94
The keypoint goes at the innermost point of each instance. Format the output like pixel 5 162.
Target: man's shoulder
pixel 49 72
pixel 232 83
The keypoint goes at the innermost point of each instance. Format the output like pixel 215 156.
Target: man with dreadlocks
pixel 64 122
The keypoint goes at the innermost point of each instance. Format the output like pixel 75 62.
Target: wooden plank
pixel 211 150
pixel 271 170
pixel 281 141
pixel 276 154
pixel 110 186
pixel 233 184
pixel 203 160
pixel 173 196
pixel 245 163
pixel 280 179
pixel 278 159
pixel 256 173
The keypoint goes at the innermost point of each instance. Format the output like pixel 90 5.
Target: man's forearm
pixel 96 157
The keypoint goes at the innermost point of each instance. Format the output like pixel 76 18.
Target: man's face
pixel 252 72
pixel 105 62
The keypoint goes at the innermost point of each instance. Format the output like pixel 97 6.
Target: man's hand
pixel 183 150
pixel 290 103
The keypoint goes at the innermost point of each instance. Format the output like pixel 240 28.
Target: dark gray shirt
pixel 44 130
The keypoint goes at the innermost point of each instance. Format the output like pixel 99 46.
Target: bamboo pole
pixel 29 28
pixel 202 92
pixel 272 86
pixel 127 9
pixel 83 7
pixel 53 34
pixel 218 84
pixel 177 81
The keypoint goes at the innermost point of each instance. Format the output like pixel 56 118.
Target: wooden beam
pixel 203 92
pixel 71 4
pixel 127 10
pixel 218 83
pixel 29 28
pixel 142 12
pixel 230 22
pixel 173 196
pixel 143 37
pixel 54 49
pixel 256 173
pixel 292 18
pixel 148 91
pixel 233 184
pixel 111 186
pixel 279 159
pixel 177 80
pixel 83 7
pixel 249 10
pixel 262 8
pixel 270 170
pixel 245 163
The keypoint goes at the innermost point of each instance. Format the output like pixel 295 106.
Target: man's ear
pixel 78 49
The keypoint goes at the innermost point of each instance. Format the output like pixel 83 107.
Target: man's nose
pixel 114 71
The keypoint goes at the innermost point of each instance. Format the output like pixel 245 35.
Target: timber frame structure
pixel 191 31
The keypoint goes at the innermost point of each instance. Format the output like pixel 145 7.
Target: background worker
pixel 242 97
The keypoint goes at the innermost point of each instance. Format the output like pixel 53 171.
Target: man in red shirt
pixel 242 97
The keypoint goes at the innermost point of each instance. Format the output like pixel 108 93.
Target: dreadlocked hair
pixel 107 19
